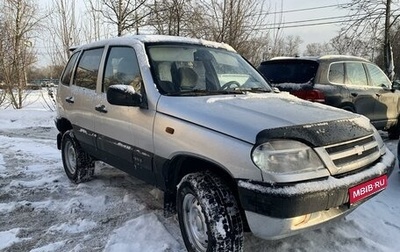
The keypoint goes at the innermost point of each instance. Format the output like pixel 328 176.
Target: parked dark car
pixel 351 83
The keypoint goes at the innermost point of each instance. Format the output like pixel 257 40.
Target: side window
pixel 122 68
pixel 67 74
pixel 378 78
pixel 88 68
pixel 355 74
pixel 336 73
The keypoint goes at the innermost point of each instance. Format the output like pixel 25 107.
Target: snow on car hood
pixel 245 116
pixel 289 86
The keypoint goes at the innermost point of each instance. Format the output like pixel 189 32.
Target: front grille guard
pixel 349 156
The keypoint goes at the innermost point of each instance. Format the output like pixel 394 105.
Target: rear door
pixel 81 98
pixel 64 98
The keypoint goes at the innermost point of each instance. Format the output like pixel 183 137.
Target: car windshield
pixel 182 69
pixel 289 71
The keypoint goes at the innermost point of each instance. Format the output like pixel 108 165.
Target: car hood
pixel 253 117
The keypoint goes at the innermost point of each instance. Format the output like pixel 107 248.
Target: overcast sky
pixel 300 13
pixel 287 12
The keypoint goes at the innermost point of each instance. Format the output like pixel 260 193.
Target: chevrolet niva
pixel 231 154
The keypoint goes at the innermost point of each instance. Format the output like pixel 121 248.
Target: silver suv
pixel 193 118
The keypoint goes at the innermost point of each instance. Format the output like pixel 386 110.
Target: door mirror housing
pixel 123 95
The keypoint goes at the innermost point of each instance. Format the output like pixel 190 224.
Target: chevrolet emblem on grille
pixel 359 149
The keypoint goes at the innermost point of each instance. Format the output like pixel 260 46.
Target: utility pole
pixel 388 54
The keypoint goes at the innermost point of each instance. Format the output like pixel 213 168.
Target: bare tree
pixel 171 17
pixel 318 49
pixel 231 21
pixel 260 48
pixel 18 24
pixel 283 46
pixel 64 31
pixel 292 44
pixel 373 17
pixel 93 31
pixel 2 44
pixel 127 15
pixel 343 44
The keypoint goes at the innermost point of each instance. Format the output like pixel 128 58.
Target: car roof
pixel 329 58
pixel 131 39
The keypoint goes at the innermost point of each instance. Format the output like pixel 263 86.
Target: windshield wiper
pixel 199 92
pixel 255 90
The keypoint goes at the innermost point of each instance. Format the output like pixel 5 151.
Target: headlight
pixel 286 157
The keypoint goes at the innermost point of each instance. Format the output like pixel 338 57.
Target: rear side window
pixel 289 71
pixel 122 68
pixel 67 75
pixel 356 74
pixel 378 78
pixel 88 68
pixel 336 73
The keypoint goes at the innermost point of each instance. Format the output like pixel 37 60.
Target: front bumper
pixel 278 210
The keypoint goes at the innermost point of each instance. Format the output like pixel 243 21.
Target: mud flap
pixel 59 137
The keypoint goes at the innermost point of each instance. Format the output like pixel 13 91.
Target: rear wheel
pixel 208 214
pixel 78 165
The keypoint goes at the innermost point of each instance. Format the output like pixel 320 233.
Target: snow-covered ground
pixel 42 211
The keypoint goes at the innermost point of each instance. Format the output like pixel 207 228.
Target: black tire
pixel 398 154
pixel 394 132
pixel 208 214
pixel 78 165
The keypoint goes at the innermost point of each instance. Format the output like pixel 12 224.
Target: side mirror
pixel 123 95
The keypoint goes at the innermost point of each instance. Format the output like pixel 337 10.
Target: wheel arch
pixel 63 125
pixel 184 164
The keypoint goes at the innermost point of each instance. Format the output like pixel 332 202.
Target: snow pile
pixel 157 237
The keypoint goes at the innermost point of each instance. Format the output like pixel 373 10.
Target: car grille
pixel 349 156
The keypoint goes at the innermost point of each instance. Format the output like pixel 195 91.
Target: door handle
pixel 101 108
pixel 354 94
pixel 70 99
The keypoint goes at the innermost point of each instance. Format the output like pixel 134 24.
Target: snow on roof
pixel 128 39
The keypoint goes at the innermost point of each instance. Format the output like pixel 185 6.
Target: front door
pixel 387 108
pixel 124 133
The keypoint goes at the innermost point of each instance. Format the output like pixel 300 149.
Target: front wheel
pixel 208 214
pixel 78 165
